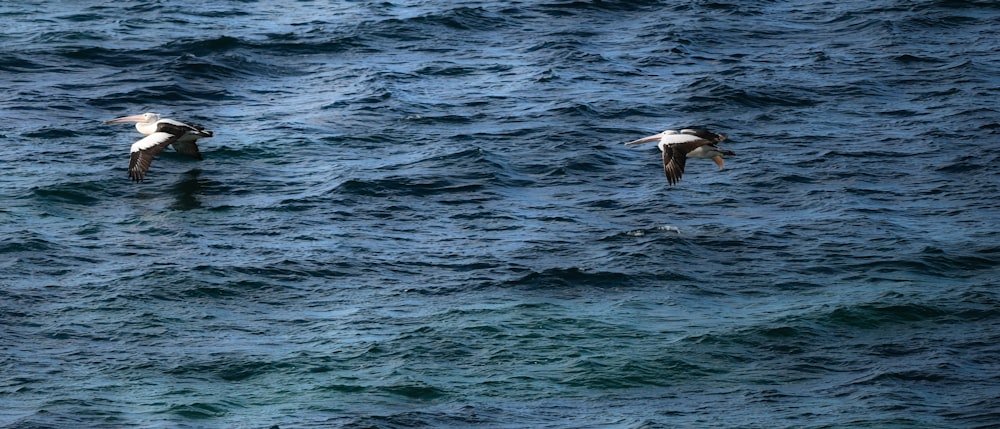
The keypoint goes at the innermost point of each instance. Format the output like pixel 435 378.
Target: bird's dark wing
pixel 673 163
pixel 172 126
pixel 187 147
pixel 187 135
pixel 707 135
pixel 143 152
pixel 675 156
pixel 201 131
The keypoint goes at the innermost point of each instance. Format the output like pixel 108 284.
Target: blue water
pixel 421 214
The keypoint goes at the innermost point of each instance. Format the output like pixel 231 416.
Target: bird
pixel 678 146
pixel 160 133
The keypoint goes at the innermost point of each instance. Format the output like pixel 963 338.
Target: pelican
pixel 159 133
pixel 678 146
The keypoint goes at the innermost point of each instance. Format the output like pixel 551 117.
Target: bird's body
pixel 159 133
pixel 677 146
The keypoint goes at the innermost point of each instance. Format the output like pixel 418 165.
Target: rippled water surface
pixel 421 214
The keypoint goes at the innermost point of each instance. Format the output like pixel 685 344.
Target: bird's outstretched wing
pixel 143 152
pixel 675 156
pixel 198 130
pixel 189 133
pixel 705 134
pixel 188 148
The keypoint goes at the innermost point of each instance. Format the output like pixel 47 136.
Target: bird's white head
pixel 145 118
pixel 144 123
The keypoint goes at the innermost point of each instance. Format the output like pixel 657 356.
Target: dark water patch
pixel 447 70
pixel 711 91
pixel 459 23
pixel 572 8
pixel 781 339
pixel 856 23
pixel 939 21
pixel 905 377
pixel 318 44
pixel 978 307
pixel 979 413
pixel 13 63
pixel 446 119
pixel 190 67
pixel 346 388
pixel 471 172
pixel 964 165
pixel 784 97
pixel 470 19
pixel 229 369
pixel 590 163
pixel 222 12
pixel 929 262
pixel 84 194
pixel 272 151
pixel 914 59
pixel 57 420
pixel 467 416
pixel 89 56
pixel 158 94
pixel 203 47
pixel 407 187
pixel 414 390
pixel 945 262
pixel 220 292
pixel 581 110
pixel 198 410
pixel 608 374
pixel 54 133
pixel 568 51
pixel 571 278
pixel 239 371
pixel 65 38
pixel 973 5
pixel 882 316
pixel 83 17
pixel 274 45
pixel 285 272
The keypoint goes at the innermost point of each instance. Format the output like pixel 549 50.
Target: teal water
pixel 421 214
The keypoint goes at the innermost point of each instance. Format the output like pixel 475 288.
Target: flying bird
pixel 678 146
pixel 160 133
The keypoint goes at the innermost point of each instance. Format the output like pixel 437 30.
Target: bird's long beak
pixel 718 161
pixel 652 138
pixel 126 119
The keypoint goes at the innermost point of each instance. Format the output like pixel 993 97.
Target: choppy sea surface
pixel 421 214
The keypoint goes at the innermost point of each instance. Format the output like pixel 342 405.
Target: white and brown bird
pixel 678 146
pixel 159 133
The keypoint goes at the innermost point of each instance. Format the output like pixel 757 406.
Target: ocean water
pixel 421 214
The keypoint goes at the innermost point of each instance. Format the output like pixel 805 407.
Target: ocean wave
pixel 406 186
pixel 571 7
pixel 882 316
pixel 559 278
pixel 199 410
pixel 161 93
pixel 14 63
pixel 928 262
